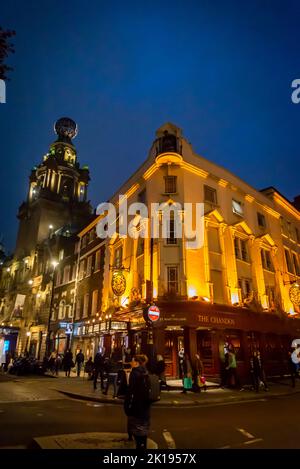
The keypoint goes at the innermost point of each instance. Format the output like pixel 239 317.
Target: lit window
pixel 266 260
pixel 86 305
pixel 296 264
pixel 288 261
pixel 171 238
pixel 210 195
pixel 241 249
pixel 118 257
pixel 246 289
pixel 237 208
pixel 66 277
pixel 261 220
pixel 89 266
pixel 94 302
pixel 170 184
pixel 172 280
pixel 97 261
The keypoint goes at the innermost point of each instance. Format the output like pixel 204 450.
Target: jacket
pixel 136 403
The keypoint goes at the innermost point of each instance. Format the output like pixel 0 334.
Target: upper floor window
pixel 246 288
pixel 266 260
pixel 210 195
pixel 82 269
pixel 66 277
pixel 173 280
pixel 94 302
pixel 89 266
pixel 237 208
pixel 118 257
pixel 170 184
pixel 288 261
pixel 142 196
pixel 83 241
pixel 296 264
pixel 171 233
pixel 261 220
pixel 86 300
pixel 61 255
pixel 97 261
pixel 241 249
pixel 297 234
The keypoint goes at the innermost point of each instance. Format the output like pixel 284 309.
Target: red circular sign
pixel 153 313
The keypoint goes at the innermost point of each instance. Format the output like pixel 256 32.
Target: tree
pixel 5 49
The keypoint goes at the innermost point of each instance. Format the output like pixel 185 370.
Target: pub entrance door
pixel 174 341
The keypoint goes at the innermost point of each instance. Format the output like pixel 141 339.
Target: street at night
pixel 29 408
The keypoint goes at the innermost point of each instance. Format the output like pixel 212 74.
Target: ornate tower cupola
pixel 57 190
pixel 60 176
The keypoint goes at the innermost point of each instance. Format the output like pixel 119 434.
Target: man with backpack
pixel 143 389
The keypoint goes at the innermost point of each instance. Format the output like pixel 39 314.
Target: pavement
pixel 81 388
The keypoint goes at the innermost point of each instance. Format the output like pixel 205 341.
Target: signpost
pixel 153 313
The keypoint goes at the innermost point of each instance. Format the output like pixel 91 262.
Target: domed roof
pixel 66 127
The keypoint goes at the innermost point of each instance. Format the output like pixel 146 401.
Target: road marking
pixel 245 433
pixel 252 441
pixel 217 404
pixel 169 439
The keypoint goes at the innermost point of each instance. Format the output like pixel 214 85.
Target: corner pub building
pixel 240 287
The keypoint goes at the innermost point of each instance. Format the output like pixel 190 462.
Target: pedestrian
pixel 160 370
pixel 137 404
pixel 128 357
pixel 180 362
pixel 187 374
pixel 99 369
pixel 198 373
pixel 58 361
pixel 79 360
pixel 224 366
pixel 111 368
pixel 294 363
pixel 51 363
pixel 233 379
pixel 257 371
pixel 68 362
pixel 89 368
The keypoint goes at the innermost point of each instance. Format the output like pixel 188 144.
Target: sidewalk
pixel 81 388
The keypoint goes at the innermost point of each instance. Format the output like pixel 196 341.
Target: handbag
pixel 187 383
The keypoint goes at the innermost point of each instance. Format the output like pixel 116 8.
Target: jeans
pixel 98 371
pixel 79 365
pixel 112 378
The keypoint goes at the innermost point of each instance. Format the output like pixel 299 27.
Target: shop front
pixel 8 342
pixel 60 336
pixel 194 327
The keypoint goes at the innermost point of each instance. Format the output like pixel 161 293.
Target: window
pixel 94 302
pixel 241 249
pixel 245 287
pixel 89 266
pixel 78 308
pixel 170 184
pixel 237 208
pixel 61 309
pixel 92 235
pixel 82 269
pixel 284 227
pixel 118 257
pixel 171 239
pixel 66 277
pixel 297 233
pixel 296 264
pixel 86 305
pixel 266 260
pixel 288 261
pixel 61 255
pixel 261 220
pixel 69 312
pixel 83 241
pixel 173 280
pixel 97 261
pixel 58 277
pixel 142 196
pixel 210 195
pixel 270 292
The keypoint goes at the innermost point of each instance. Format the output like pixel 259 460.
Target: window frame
pixel 168 180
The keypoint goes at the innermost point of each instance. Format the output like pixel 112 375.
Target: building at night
pixel 57 198
pixel 240 287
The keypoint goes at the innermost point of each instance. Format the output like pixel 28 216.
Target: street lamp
pixel 54 264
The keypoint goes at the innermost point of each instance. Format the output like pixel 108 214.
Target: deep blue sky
pixel 221 70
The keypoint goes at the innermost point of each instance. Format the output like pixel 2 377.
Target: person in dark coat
pixel 68 362
pixel 79 361
pixel 137 405
pixel 89 368
pixel 198 372
pixel 99 369
pixel 112 369
pixel 257 371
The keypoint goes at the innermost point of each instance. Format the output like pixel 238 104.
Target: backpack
pixel 152 386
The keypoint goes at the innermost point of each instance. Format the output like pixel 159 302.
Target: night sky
pixel 220 70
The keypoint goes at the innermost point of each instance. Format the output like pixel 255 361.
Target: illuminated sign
pixel 216 320
pixel 153 313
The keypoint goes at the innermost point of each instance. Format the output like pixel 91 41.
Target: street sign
pixel 153 313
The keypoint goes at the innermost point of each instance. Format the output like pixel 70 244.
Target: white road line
pixel 245 433
pixel 169 439
pixel 249 442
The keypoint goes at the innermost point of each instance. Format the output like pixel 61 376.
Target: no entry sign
pixel 153 313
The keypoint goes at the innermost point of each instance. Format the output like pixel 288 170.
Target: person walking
pixel 99 369
pixel 198 374
pixel 257 371
pixel 160 371
pixel 294 363
pixel 89 368
pixel 79 360
pixel 57 363
pixel 111 368
pixel 187 374
pixel 51 363
pixel 137 404
pixel 233 379
pixel 180 362
pixel 68 362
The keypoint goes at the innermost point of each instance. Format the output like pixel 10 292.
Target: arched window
pixel 61 309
